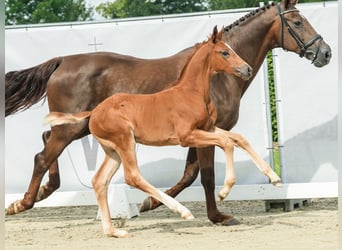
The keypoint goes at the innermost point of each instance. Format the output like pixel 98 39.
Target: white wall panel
pixel 308 105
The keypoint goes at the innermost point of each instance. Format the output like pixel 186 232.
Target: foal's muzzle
pixel 245 72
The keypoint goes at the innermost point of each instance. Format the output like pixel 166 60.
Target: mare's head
pixel 298 35
pixel 224 58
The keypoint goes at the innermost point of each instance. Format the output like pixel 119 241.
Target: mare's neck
pixel 252 38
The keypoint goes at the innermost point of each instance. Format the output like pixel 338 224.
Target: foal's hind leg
pixel 189 176
pixel 133 177
pixel 54 180
pixel 60 137
pixel 101 182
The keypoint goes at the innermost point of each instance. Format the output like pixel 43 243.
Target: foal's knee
pixel 230 182
pixel 98 185
pixel 241 141
pixel 228 145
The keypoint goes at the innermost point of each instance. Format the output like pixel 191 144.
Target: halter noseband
pixel 303 46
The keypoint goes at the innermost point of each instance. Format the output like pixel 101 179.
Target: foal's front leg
pixel 202 138
pixel 262 165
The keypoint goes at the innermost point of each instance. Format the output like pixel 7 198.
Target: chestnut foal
pixel 181 115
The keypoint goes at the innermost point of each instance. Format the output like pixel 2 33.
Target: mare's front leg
pixel 53 182
pixel 189 176
pixel 60 137
pixel 206 161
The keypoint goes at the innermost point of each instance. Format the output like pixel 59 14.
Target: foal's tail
pixel 26 87
pixel 59 118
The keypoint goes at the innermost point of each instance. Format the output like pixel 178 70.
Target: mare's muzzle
pixel 315 49
pixel 321 55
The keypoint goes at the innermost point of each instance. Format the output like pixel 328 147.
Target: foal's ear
pixel 216 36
pixel 287 4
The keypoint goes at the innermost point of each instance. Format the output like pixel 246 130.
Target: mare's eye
pixel 298 24
pixel 225 53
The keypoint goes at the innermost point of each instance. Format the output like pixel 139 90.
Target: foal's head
pixel 224 58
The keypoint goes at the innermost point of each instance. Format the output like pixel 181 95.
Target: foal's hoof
pixel 277 183
pixel 188 216
pixel 117 233
pixel 221 197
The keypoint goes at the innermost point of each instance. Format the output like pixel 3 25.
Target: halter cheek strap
pixel 303 46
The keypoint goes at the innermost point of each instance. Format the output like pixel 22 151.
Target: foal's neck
pixel 195 77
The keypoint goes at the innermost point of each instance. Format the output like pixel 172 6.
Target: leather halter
pixel 303 46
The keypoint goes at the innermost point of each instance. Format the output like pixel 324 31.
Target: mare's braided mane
pixel 250 14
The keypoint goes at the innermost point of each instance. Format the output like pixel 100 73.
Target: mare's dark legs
pixel 206 159
pixel 189 176
pixel 54 179
pixel 60 137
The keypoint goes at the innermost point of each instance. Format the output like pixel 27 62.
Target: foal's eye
pixel 298 24
pixel 225 53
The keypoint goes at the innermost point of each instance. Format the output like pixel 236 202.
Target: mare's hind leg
pixel 54 180
pixel 101 182
pixel 60 137
pixel 189 176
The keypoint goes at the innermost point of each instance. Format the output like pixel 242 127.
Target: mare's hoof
pixel 230 222
pixel 13 208
pixel 146 205
pixel 9 211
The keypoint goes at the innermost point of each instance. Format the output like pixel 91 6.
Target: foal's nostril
pixel 246 71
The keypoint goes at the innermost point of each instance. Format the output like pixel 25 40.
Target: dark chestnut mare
pixel 180 115
pixel 79 82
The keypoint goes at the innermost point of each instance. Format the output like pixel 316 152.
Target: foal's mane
pixel 248 16
pixel 197 46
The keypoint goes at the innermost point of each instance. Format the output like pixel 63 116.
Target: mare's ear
pixel 287 4
pixel 214 35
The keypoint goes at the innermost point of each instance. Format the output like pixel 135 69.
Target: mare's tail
pixel 59 118
pixel 26 87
